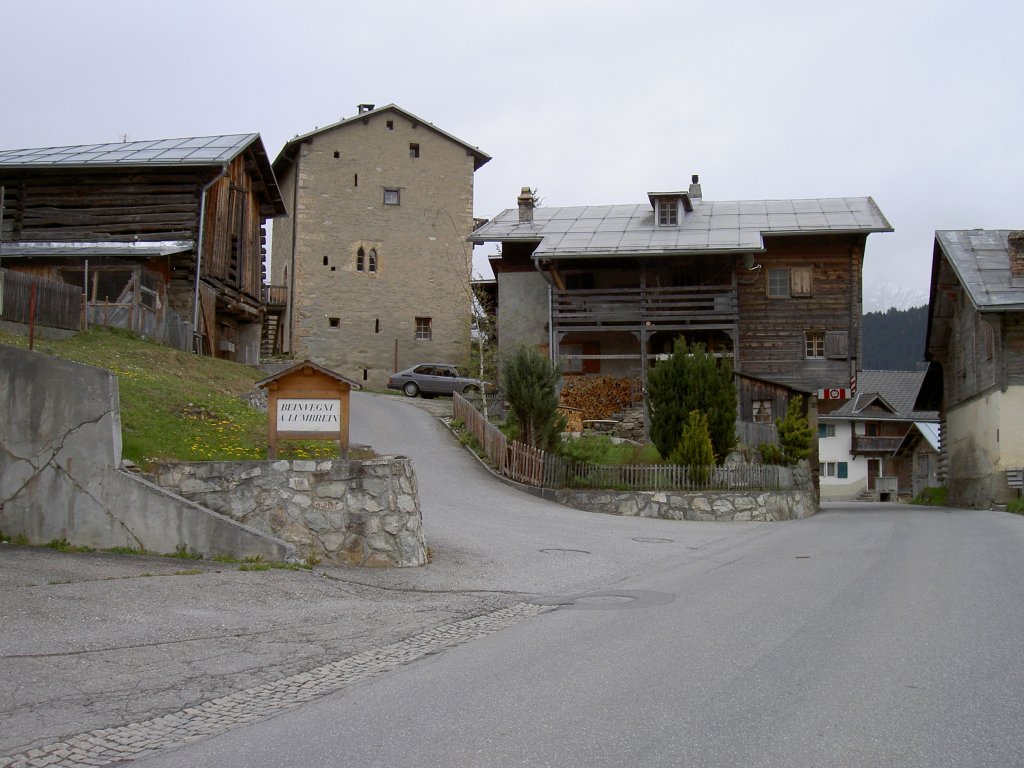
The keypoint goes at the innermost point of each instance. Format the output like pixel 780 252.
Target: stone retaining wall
pixel 341 511
pixel 768 506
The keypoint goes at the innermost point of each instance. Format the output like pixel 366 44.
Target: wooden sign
pixel 307 402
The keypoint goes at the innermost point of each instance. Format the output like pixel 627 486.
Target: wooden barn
pixel 165 238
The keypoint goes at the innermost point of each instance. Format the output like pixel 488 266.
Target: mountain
pixel 878 297
pixel 894 339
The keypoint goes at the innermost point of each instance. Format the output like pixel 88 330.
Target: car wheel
pixel 470 390
pixel 410 389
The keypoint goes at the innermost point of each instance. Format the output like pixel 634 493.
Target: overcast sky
pixel 918 104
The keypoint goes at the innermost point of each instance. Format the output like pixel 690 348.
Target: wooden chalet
pixel 164 237
pixel 774 285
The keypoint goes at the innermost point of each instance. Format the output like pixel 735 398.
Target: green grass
pixel 931 497
pixel 1016 507
pixel 62 545
pixel 600 449
pixel 177 406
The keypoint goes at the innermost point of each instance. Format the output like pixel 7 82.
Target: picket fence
pixel 541 469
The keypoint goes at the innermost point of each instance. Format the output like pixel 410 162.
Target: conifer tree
pixel 794 432
pixel 694 449
pixel 692 379
pixel 531 386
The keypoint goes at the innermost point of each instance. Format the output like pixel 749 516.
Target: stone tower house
pixel 375 257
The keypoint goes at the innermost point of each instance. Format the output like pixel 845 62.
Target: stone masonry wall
pixel 341 511
pixel 769 506
pixel 360 321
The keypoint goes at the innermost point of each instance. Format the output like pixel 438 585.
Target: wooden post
pixel 32 315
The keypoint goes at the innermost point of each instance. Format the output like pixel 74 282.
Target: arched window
pixel 360 260
pixel 373 259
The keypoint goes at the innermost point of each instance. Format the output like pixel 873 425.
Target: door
pixel 874 471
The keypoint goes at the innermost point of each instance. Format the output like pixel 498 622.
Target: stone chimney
pixel 365 108
pixel 1015 244
pixel 525 201
pixel 694 190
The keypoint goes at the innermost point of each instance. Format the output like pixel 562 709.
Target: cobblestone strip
pixel 137 740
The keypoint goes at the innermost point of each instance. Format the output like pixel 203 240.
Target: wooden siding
pixel 102 205
pixel 772 330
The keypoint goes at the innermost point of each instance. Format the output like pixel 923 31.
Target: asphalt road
pixel 868 635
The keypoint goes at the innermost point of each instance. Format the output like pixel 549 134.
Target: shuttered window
pixel 836 344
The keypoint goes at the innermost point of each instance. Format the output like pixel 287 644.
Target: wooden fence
pixel 532 466
pixel 56 304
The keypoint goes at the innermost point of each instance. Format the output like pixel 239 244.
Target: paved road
pixel 868 635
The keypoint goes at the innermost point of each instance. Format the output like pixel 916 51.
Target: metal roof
pixel 288 151
pixel 895 389
pixel 981 260
pixel 121 250
pixel 712 226
pixel 199 150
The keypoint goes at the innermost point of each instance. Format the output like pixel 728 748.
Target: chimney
pixel 365 108
pixel 694 191
pixel 1015 245
pixel 525 201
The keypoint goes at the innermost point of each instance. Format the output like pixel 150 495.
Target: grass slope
pixel 174 405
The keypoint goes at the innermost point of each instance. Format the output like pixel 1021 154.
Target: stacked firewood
pixel 598 397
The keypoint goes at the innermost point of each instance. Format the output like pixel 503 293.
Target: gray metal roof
pixel 721 226
pixel 121 250
pixel 287 154
pixel 981 260
pixel 200 150
pixel 896 389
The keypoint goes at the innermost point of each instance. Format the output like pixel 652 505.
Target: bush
pixel 1016 507
pixel 772 454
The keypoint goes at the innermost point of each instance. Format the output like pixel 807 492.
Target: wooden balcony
pixel 874 444
pixel 275 296
pixel 705 307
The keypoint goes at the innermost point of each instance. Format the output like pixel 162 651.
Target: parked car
pixel 429 379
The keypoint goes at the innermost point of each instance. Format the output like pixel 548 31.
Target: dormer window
pixel 668 213
pixel 669 207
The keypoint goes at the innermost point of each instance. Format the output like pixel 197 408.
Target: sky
pixel 919 105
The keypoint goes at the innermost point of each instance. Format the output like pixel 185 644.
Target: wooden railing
pixel 532 466
pixel 700 305
pixel 275 294
pixel 875 444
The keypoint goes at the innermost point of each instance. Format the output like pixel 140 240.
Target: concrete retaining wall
pixel 60 475
pixel 340 511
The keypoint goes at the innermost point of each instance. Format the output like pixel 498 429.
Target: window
pixel 355 179
pixel 376 325
pixel 325 261
pixel 668 213
pixel 391 197
pixel 390 125
pixel 337 154
pixel 334 322
pixel 814 345
pixel 872 429
pixel 778 283
pixel 838 469
pixel 414 150
pixel 762 411
pixel 360 260
pixel 423 329
pixel 372 264
pixel 836 346
pixel 826 430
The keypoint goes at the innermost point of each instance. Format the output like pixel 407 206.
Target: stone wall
pixel 768 506
pixel 340 511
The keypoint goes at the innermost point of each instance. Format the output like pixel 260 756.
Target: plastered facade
pixel 416 263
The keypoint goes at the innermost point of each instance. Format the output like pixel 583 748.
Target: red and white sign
pixel 836 393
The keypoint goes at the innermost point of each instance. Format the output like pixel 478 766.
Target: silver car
pixel 429 379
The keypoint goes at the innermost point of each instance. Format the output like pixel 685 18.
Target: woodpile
pixel 599 397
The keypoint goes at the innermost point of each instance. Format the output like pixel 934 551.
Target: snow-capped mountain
pixel 879 297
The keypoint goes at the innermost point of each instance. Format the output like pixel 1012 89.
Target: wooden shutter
pixel 836 344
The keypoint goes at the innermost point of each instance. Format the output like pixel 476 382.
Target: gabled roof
pixel 929 433
pixel 711 227
pixel 308 364
pixel 980 258
pixel 289 151
pixel 884 396
pixel 194 152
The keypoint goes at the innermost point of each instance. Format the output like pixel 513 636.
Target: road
pixel 868 635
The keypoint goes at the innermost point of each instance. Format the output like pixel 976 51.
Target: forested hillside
pixel 894 340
